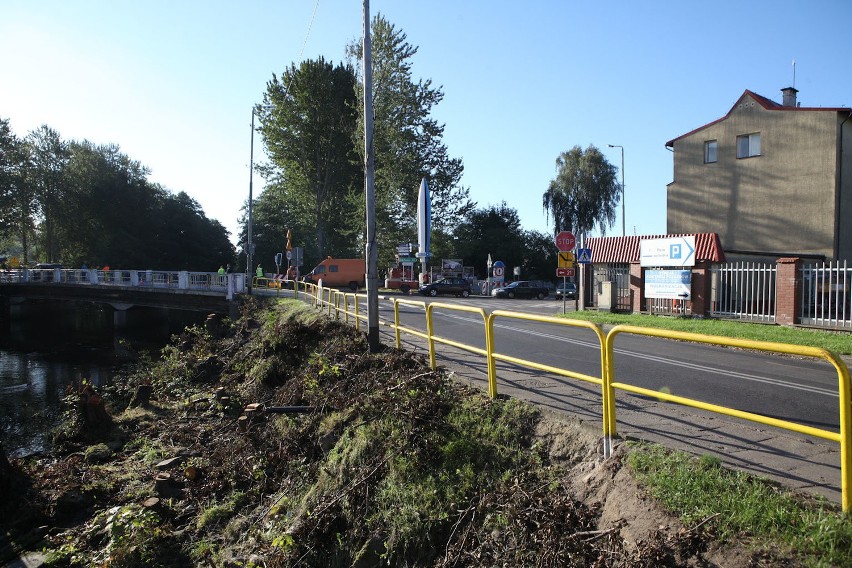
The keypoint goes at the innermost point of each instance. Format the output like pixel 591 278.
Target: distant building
pixel 773 180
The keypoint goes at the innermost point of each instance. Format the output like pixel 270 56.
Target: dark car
pixel 47 266
pixel 455 286
pixel 522 289
pixel 567 290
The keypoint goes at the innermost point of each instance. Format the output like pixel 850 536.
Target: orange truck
pixel 339 272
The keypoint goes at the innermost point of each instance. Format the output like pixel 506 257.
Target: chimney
pixel 789 94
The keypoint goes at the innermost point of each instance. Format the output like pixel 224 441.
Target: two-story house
pixel 771 179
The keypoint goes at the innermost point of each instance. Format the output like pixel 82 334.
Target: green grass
pixel 837 342
pixel 743 505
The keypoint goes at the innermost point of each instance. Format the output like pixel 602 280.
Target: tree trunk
pixel 5 473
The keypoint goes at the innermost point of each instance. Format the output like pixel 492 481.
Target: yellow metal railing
pixel 397 327
pixel 494 356
pixel 844 437
pixel 432 337
pixel 337 302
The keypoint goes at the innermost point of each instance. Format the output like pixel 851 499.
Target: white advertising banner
pixel 670 284
pixel 673 251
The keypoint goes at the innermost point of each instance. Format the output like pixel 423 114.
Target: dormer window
pixel 748 145
pixel 710 152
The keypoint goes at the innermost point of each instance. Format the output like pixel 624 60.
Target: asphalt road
pixel 799 390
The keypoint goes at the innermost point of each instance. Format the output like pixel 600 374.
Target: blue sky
pixel 173 82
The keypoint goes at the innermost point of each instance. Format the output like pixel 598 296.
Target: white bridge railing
pixel 229 284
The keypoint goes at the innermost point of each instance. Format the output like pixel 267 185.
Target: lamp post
pixel 249 242
pixel 623 232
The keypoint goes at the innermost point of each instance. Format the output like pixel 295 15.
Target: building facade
pixel 773 180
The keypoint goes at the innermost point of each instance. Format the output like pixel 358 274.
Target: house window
pixel 748 145
pixel 710 152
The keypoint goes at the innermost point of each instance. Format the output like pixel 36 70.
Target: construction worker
pixel 259 271
pixel 221 270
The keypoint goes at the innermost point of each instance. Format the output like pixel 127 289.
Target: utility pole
pixel 623 225
pixel 250 244
pixel 372 252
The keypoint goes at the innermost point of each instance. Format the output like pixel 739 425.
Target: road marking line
pixel 684 364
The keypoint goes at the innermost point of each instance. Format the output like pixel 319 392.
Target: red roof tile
pixel 612 250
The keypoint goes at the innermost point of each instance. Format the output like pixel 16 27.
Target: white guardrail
pixel 229 284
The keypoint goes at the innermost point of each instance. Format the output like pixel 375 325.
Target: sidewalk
pixel 794 460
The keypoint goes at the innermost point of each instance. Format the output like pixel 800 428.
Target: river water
pixel 41 354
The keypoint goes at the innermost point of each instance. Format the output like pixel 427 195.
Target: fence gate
pixel 826 294
pixel 620 275
pixel 743 290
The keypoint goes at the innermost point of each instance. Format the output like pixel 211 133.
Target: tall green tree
pixel 18 207
pixel 408 142
pixel 494 230
pixel 108 207
pixel 308 124
pixel 94 204
pixel 539 256
pixel 273 215
pixel 49 156
pixel 584 193
pixel 190 240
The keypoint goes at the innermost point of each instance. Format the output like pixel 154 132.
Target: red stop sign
pixel 565 241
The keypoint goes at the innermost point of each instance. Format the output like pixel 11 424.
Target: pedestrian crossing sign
pixel 584 256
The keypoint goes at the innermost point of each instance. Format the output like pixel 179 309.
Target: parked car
pixel 567 290
pixel 522 289
pixel 47 266
pixel 455 286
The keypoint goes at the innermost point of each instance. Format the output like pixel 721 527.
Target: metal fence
pixel 744 290
pixel 183 280
pixel 669 307
pixel 620 275
pixel 826 294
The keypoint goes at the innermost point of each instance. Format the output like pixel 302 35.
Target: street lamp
pixel 249 243
pixel 623 232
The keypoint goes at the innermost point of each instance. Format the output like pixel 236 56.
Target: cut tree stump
pixel 142 396
pixel 92 409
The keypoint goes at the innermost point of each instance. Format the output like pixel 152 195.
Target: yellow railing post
pixel 357 316
pixel 491 364
pixel 490 346
pixel 430 330
pixel 396 324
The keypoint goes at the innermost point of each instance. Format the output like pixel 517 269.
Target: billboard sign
pixel 669 284
pixel 672 251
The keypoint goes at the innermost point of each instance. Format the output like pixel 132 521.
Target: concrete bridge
pixel 122 289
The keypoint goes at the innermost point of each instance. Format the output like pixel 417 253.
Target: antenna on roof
pixel 794 73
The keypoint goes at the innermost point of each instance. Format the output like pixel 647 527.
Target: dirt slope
pixel 352 459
